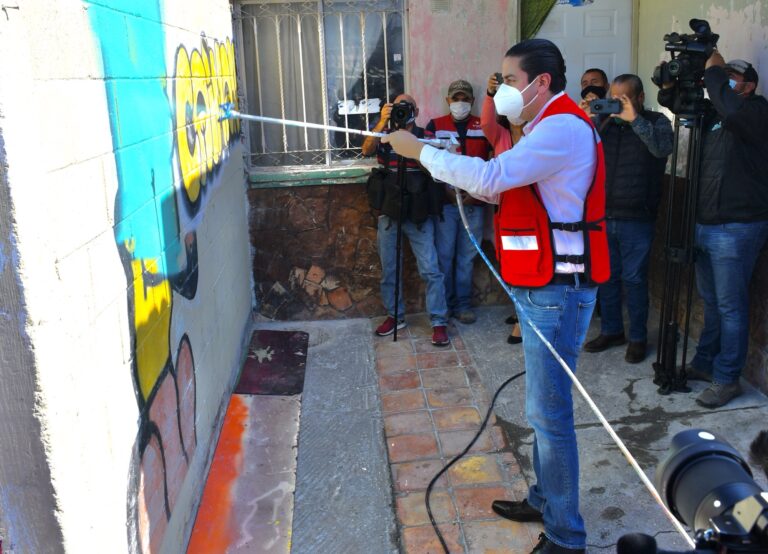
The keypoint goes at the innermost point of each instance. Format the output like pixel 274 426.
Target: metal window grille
pixel 327 61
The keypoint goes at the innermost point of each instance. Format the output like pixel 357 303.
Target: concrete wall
pixel 467 41
pixel 130 259
pixel 743 29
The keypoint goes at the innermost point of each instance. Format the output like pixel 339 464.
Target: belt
pixel 569 279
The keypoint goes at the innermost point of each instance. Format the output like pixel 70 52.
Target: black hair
pixel 596 70
pixel 635 82
pixel 539 56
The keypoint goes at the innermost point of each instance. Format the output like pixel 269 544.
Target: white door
pixel 597 34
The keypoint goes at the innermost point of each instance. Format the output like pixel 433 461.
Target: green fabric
pixel 532 16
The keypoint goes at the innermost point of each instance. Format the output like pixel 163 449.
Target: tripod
pixel 400 180
pixel 679 254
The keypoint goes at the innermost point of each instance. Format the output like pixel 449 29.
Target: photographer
pixel 594 86
pixel 454 249
pixel 636 143
pixel 732 223
pixel 417 225
pixel 553 251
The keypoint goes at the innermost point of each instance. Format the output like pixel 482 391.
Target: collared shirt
pixel 557 152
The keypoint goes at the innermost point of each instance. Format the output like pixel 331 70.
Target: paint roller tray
pixel 275 364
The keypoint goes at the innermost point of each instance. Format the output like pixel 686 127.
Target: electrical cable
pixel 460 456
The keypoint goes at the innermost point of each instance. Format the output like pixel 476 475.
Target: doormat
pixel 275 364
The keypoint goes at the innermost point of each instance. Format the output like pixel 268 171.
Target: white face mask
pixel 460 110
pixel 510 103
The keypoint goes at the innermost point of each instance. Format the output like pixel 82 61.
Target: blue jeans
pixel 725 258
pixel 422 240
pixel 629 245
pixel 562 313
pixel 456 253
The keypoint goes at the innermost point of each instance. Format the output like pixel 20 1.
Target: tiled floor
pixel 433 402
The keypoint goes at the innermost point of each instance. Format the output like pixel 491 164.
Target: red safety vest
pixel 524 239
pixel 475 141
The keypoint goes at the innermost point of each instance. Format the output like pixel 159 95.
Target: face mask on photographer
pixel 510 103
pixel 460 110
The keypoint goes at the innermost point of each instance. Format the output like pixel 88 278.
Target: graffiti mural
pixel 169 147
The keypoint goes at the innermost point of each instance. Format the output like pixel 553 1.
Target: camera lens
pixel 702 477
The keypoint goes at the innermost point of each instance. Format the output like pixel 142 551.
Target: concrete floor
pixel 613 500
pixel 345 498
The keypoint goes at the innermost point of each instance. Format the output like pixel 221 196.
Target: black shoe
pixel 693 374
pixel 512 339
pixel 604 342
pixel 636 352
pixel 546 546
pixel 516 511
pixel 511 320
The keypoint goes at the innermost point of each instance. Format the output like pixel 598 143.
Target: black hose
pixel 460 456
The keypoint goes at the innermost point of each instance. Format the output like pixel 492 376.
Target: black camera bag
pixel 375 187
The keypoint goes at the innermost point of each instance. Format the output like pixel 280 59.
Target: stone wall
pixel 327 264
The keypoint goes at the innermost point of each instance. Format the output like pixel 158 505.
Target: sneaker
pixel 604 342
pixel 516 511
pixel 466 316
pixel 636 352
pixel 514 339
pixel 440 336
pixel 511 320
pixel 546 546
pixel 717 395
pixel 388 326
pixel 693 374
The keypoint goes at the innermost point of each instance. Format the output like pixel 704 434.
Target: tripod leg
pixel 399 241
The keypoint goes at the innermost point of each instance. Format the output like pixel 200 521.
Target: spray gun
pixel 228 112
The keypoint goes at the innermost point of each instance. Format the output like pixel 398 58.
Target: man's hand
pixel 715 59
pixel 386 110
pixel 404 143
pixel 493 84
pixel 584 104
pixel 628 112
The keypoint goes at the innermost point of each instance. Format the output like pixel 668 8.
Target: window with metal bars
pixel 334 62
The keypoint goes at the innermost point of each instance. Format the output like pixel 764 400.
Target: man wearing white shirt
pixel 553 250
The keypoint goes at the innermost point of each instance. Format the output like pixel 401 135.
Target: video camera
pixel 681 78
pixel 708 486
pixel 402 114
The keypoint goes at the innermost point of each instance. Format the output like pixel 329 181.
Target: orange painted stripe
pixel 212 531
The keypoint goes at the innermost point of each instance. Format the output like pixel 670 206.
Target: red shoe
pixel 440 336
pixel 388 327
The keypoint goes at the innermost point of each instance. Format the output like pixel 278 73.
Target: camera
pixel 681 78
pixel 605 106
pixel 402 114
pixel 708 486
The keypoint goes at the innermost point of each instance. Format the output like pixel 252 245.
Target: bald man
pixel 418 227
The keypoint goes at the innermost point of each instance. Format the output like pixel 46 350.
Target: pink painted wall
pixel 466 42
